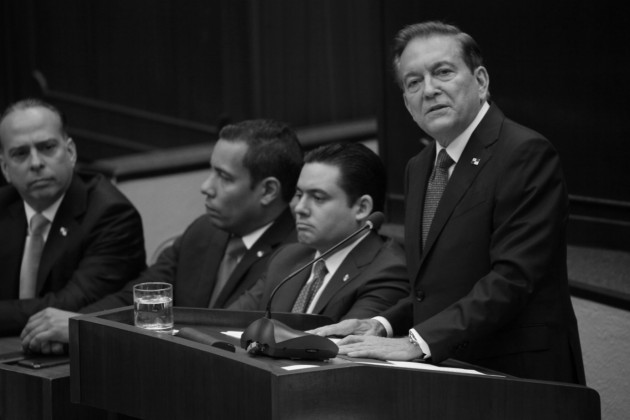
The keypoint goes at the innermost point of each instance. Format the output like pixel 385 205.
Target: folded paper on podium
pixel 206 374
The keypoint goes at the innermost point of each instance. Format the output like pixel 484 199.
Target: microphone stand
pixel 273 338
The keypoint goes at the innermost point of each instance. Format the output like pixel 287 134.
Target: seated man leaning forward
pixel 339 187
pixel 68 238
pixel 253 172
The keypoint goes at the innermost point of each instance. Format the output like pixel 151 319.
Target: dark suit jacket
pixel 192 262
pixel 95 246
pixel 491 286
pixel 371 279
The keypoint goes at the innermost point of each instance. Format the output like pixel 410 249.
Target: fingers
pixel 57 347
pixel 341 328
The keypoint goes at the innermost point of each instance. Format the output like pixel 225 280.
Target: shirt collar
pixel 334 260
pixel 456 147
pixel 250 239
pixel 48 213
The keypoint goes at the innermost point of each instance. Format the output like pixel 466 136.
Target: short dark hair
pixel 471 53
pixel 273 150
pixel 362 171
pixel 35 103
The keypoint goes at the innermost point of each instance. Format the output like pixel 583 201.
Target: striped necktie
pixel 309 290
pixel 435 188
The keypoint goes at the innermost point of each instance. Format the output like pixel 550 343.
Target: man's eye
pixel 443 73
pixel 48 148
pixel 19 155
pixel 413 85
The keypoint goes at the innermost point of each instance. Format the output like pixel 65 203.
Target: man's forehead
pixel 30 119
pixel 319 176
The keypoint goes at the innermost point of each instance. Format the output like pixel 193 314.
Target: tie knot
pixel 38 224
pixel 320 270
pixel 235 246
pixel 444 160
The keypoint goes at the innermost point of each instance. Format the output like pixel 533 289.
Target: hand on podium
pixel 351 327
pixel 47 332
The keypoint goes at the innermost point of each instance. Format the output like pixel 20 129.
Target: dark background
pixel 142 75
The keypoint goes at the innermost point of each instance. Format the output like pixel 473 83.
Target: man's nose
pixel 36 160
pixel 431 87
pixel 207 187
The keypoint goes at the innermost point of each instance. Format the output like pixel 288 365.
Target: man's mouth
pixel 437 107
pixel 40 182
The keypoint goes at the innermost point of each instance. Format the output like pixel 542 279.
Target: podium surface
pixel 120 368
pixel 42 394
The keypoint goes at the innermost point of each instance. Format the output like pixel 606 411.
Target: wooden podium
pixel 120 368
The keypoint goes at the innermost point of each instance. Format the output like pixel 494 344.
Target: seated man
pixel 253 172
pixel 67 239
pixel 339 187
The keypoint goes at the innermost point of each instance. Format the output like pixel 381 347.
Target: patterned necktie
pixel 32 256
pixel 233 253
pixel 435 188
pixel 309 290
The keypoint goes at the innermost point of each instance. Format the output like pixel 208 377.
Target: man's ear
pixel 3 167
pixel 72 150
pixel 271 190
pixel 363 207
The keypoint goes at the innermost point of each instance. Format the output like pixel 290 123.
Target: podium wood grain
pixel 154 376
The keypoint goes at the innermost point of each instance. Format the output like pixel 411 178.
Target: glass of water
pixel 153 306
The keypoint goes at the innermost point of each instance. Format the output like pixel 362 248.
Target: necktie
pixel 309 290
pixel 233 253
pixel 435 188
pixel 32 255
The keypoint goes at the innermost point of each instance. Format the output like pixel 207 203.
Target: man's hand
pixel 46 331
pixel 351 326
pixel 379 348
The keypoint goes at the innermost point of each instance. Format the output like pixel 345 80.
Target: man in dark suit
pixel 253 172
pixel 488 272
pixel 90 237
pixel 339 187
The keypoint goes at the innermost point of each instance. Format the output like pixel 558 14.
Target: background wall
pixel 558 67
pixel 138 76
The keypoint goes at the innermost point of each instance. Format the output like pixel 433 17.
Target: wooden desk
pixel 27 394
pixel 155 376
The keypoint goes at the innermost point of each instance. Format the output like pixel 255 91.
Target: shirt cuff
pixel 423 344
pixel 385 323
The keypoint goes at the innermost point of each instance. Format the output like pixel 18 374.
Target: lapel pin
pixel 346 277
pixel 63 231
pixel 475 161
pixel 259 254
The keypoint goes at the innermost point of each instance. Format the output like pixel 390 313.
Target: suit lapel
pixel 363 254
pixel 472 161
pixel 418 174
pixel 287 295
pixel 276 233
pixel 63 230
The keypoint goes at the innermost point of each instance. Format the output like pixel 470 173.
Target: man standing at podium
pixel 253 172
pixel 486 213
pixel 339 187
pixel 68 238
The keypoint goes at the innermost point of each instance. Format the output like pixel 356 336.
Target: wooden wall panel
pixel 201 62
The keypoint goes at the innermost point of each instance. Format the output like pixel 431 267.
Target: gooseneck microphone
pixel 273 338
pixel 373 222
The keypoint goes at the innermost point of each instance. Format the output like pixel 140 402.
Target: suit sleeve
pixel 529 213
pixel 386 286
pixel 112 252
pixel 251 299
pixel 163 270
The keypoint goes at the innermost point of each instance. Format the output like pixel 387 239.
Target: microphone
pixel 273 338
